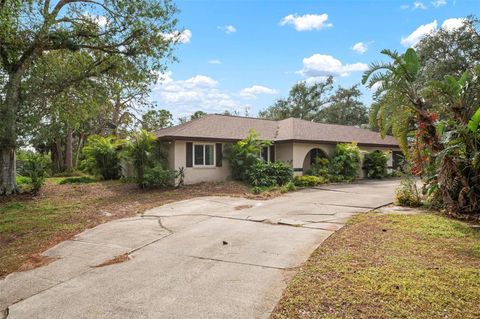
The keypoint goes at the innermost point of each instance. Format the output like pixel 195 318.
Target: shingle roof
pixel 223 127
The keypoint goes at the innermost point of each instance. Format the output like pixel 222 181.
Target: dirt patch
pixel 32 224
pixel 115 260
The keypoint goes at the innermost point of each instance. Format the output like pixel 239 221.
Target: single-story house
pixel 198 145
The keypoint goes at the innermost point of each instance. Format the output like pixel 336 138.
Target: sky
pixel 244 55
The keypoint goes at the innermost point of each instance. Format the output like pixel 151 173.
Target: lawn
pixel 31 224
pixel 390 266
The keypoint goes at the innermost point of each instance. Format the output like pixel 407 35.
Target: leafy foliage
pixel 345 162
pixel 320 167
pixel 157 177
pixel 269 174
pixel 375 164
pixel 244 154
pixel 35 169
pixel 102 156
pixel 309 180
pixel 148 156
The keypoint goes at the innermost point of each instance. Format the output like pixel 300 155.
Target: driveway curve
pixel 208 257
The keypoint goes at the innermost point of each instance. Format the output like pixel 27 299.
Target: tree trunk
pixel 79 148
pixel 69 150
pixel 8 184
pixel 116 115
pixel 8 136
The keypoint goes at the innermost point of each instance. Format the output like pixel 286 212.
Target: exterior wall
pixel 195 175
pixel 284 153
pixel 293 154
pixel 301 150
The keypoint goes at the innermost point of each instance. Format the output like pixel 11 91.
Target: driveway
pixel 209 257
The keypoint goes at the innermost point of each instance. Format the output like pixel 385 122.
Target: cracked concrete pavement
pixel 208 257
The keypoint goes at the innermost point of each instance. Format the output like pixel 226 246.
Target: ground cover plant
pixel 390 266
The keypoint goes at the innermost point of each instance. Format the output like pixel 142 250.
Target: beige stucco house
pixel 198 145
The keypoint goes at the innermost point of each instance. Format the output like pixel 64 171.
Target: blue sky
pixel 246 54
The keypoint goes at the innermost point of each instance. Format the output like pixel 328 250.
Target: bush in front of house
pixel 309 180
pixel 158 177
pixel 149 158
pixel 265 174
pixel 244 154
pixel 101 156
pixel 320 167
pixel 375 164
pixel 345 162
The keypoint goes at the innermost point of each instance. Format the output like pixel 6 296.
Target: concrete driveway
pixel 209 257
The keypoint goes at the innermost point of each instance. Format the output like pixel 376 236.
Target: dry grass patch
pixel 390 266
pixel 30 225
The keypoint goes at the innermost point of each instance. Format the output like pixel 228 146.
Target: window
pixel 265 154
pixel 204 154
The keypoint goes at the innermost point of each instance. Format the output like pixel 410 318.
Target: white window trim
pixel 203 165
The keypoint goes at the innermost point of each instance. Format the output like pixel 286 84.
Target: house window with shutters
pixel 203 155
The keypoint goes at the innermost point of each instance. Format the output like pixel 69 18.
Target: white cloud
pixel 179 36
pixel 307 22
pixel 360 47
pixel 419 33
pixel 430 28
pixel 419 5
pixel 439 3
pixel 183 97
pixel 228 29
pixel 453 23
pixel 254 90
pixel 319 65
pixel 404 6
pixel 98 19
pixel 215 61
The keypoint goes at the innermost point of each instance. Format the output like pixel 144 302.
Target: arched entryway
pixel 311 156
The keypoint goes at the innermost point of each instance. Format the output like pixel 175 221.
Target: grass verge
pixel 32 224
pixel 390 266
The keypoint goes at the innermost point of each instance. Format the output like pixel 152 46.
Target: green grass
pixel 77 180
pixel 390 266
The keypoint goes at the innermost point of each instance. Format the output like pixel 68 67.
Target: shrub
pixel 320 167
pixel 102 156
pixel 288 187
pixel 157 177
pixel 258 175
pixel 24 156
pixel 35 168
pixel 309 180
pixel 269 174
pixel 345 162
pixel 146 154
pixel 244 154
pixel 78 180
pixel 375 164
pixel 407 193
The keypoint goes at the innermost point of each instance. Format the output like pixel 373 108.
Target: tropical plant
pixel 243 154
pixel 101 156
pixel 345 162
pixel 375 164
